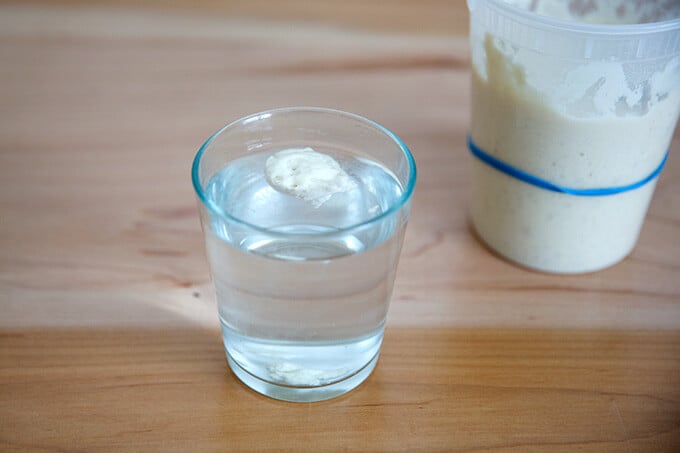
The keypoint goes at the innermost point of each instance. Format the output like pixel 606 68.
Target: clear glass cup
pixel 303 291
pixel 574 105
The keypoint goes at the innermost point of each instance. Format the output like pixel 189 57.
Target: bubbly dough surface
pixel 308 175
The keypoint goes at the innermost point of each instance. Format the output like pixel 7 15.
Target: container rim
pixel 216 209
pixel 547 22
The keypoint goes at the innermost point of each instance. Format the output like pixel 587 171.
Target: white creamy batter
pixel 591 131
pixel 307 174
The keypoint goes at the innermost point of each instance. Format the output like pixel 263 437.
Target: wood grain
pixel 108 326
pixel 433 390
pixel 430 17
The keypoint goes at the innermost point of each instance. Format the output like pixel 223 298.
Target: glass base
pixel 302 394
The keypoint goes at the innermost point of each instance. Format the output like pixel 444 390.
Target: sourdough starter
pixel 591 131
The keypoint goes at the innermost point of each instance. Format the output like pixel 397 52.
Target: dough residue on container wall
pixel 588 90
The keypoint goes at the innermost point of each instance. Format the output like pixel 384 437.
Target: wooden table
pixel 108 329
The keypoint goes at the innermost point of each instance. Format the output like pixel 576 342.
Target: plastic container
pixel 571 124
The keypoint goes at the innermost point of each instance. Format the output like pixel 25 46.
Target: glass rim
pixel 394 207
pixel 611 30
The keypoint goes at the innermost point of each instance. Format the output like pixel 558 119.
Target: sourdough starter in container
pixel 584 95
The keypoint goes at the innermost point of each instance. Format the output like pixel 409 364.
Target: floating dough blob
pixel 307 175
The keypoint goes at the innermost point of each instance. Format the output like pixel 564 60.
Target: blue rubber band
pixel 543 184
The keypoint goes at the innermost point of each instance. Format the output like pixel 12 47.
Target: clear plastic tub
pixel 574 105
